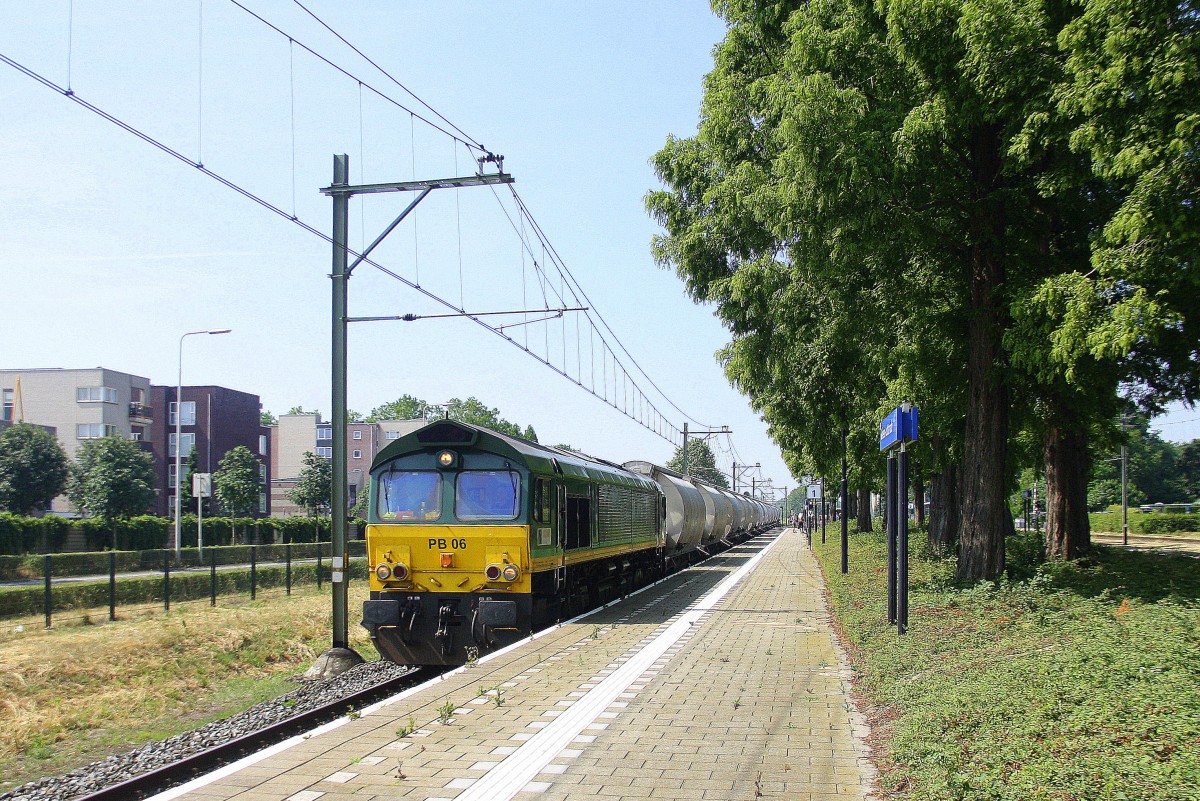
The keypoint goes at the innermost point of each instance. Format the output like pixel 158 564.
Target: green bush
pixel 19 535
pixel 1167 523
pixel 96 563
pixel 26 601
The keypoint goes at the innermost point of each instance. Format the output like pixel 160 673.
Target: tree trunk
pixel 1068 533
pixel 943 511
pixel 984 467
pixel 918 485
pixel 864 509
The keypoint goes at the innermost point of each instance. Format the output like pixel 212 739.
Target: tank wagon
pixel 475 539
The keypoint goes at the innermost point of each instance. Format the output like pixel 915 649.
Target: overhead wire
pixel 568 284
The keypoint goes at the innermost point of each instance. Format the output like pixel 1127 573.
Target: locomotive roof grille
pixel 447 433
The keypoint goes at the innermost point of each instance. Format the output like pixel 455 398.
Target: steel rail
pixel 193 765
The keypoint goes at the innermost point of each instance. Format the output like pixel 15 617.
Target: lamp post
pixel 179 436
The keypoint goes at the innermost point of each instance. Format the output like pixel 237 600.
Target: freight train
pixel 476 539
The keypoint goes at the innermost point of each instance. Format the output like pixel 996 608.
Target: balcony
pixel 141 414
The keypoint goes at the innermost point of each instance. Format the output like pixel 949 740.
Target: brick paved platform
pixel 722 682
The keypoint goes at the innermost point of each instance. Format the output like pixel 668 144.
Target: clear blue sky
pixel 113 249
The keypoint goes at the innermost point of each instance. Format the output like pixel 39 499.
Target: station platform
pixel 721 682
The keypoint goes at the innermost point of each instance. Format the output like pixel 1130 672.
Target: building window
pixel 6 410
pixel 262 503
pixel 95 395
pixel 392 435
pixel 262 444
pixel 262 473
pixel 94 430
pixel 189 413
pixel 358 454
pixel 171 506
pixel 171 477
pixel 358 433
pixel 325 452
pixel 189 442
pixel 324 433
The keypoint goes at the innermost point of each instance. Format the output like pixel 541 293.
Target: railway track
pixel 160 766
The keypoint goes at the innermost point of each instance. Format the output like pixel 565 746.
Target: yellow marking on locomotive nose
pixel 434 581
pixel 464 581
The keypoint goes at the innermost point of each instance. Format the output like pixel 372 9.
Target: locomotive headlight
pixel 510 573
pixel 492 572
pixel 447 459
pixel 383 571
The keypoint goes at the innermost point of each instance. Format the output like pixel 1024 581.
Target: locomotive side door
pixel 560 533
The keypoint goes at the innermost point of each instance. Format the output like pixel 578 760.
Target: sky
pixel 113 249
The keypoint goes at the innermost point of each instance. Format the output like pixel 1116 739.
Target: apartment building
pixel 296 434
pixel 80 405
pixel 213 420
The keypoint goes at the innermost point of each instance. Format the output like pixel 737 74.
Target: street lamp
pixel 179 436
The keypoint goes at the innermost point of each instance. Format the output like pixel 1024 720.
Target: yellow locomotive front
pixel 449 548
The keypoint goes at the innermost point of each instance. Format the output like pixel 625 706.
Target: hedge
pixel 22 535
pixel 1145 523
pixel 62 565
pixel 29 601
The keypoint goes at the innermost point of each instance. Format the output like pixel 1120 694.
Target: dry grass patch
pixel 75 694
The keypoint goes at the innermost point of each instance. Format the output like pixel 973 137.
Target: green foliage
pixel 148 589
pixel 1155 473
pixel 111 478
pixel 406 407
pixel 33 469
pixel 701 463
pixel 314 486
pixel 471 410
pixel 238 482
pixel 986 208
pixel 265 418
pixel 1080 682
pixel 20 535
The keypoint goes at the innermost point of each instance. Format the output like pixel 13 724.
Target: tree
pixel 888 201
pixel 265 418
pixel 529 434
pixel 562 446
pixel 238 482
pixel 111 479
pixel 406 407
pixel 186 499
pixel 353 416
pixel 1188 466
pixel 701 463
pixel 314 487
pixel 362 504
pixel 33 469
pixel 301 410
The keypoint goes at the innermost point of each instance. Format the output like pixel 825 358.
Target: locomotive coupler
pixel 442 636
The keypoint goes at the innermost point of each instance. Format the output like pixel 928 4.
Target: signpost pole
pixel 891 505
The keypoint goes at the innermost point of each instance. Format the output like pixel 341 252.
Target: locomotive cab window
pixel 409 495
pixel 541 501
pixel 487 495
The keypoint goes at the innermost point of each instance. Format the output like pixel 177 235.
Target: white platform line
pixel 519 768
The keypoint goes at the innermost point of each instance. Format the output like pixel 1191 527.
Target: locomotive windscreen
pixel 487 494
pixel 410 495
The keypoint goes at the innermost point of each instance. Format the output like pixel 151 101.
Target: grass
pixel 74 694
pixel 1081 681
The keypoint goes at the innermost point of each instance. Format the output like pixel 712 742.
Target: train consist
pixel 475 539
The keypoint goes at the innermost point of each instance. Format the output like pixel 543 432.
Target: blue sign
pixel 899 426
pixel 889 430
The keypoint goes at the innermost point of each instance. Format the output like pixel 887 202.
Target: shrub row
pixel 28 601
pixel 22 535
pixel 25 534
pixel 1141 523
pixel 96 563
